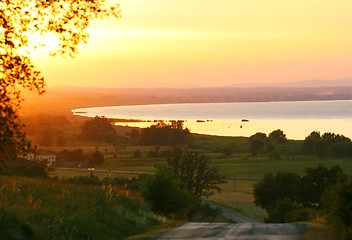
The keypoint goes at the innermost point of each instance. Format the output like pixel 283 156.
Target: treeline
pixel 328 144
pixel 321 192
pixel 99 129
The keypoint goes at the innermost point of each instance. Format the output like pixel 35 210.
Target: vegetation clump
pixel 289 197
pixel 33 208
pixel 164 134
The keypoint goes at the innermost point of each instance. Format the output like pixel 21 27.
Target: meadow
pixel 238 164
pixel 37 208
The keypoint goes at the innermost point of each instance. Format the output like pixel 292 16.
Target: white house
pixel 48 158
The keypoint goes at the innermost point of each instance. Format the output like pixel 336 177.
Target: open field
pixel 37 208
pixel 235 165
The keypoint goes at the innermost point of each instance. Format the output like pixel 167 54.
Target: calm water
pixel 296 119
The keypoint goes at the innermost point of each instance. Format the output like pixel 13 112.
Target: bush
pixel 12 228
pixel 337 204
pixel 286 211
pixel 274 187
pixel 164 194
pixel 97 158
pixel 204 212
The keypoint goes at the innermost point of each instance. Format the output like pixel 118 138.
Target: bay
pixel 297 119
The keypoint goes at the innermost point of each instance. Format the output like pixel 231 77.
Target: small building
pixel 46 157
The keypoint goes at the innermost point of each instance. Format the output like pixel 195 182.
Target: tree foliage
pixel 22 22
pixel 337 203
pixel 257 142
pixel 97 158
pixel 164 134
pixel 75 155
pixel 328 144
pixel 164 193
pixel 195 173
pixel 98 129
pixel 274 187
pixel 287 196
pixel 277 136
pixel 312 185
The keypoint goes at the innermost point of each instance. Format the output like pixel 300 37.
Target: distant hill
pixel 342 82
pixel 60 100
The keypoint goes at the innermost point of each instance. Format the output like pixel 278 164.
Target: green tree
pixel 310 141
pixel 311 186
pixel 257 142
pixel 164 134
pixel 273 187
pixel 97 158
pixel 164 193
pixel 98 129
pixel 19 20
pixel 195 173
pixel 277 136
pixel 337 204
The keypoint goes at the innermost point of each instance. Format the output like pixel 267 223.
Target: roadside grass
pixel 319 231
pixel 47 209
pixel 241 201
pixel 247 165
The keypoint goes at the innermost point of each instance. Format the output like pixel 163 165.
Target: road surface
pixel 239 231
pixel 246 229
pixel 230 214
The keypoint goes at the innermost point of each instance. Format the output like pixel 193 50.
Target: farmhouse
pixel 46 157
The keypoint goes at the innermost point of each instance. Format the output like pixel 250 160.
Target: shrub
pixel 337 204
pixel 286 211
pixel 164 194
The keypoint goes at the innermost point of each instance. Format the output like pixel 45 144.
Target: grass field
pixel 35 208
pixel 235 165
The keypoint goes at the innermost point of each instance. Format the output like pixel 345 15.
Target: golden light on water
pixel 296 129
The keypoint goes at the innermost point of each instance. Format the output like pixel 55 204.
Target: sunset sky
pixel 187 43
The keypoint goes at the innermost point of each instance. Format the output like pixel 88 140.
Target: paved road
pixel 235 216
pixel 246 228
pixel 240 231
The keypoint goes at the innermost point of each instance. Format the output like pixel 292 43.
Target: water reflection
pixel 293 128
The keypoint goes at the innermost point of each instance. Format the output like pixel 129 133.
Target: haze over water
pixel 296 119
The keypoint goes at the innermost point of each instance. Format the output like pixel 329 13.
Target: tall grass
pixel 47 209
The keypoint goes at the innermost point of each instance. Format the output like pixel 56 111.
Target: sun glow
pixel 226 43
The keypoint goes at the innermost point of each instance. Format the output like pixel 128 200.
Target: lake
pixel 297 119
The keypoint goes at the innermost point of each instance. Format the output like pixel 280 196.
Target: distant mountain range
pixel 342 82
pixel 65 98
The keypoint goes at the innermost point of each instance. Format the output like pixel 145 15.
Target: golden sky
pixel 187 43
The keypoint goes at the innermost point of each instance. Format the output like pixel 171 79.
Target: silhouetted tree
pixel 97 158
pixel 273 187
pixel 195 173
pixel 164 193
pixel 310 141
pixel 98 129
pixel 164 134
pixel 19 19
pixel 257 142
pixel 315 182
pixel 277 136
pixel 329 144
pixel 338 207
